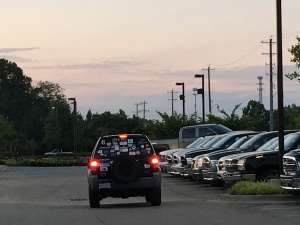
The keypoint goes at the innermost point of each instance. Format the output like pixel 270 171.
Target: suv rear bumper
pixel 112 184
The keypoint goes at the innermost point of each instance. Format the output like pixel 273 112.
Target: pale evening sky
pixel 110 54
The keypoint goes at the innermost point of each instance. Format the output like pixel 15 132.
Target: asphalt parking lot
pixel 33 195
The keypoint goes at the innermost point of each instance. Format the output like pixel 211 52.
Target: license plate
pixel 104 185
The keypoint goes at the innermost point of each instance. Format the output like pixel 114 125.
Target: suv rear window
pixel 118 145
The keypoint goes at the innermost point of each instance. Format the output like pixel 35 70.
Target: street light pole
pixel 195 94
pixel 280 85
pixel 201 91
pixel 182 97
pixel 75 125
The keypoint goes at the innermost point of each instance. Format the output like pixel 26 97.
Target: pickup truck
pixel 58 152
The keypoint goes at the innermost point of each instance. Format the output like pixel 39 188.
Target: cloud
pixel 15 58
pixel 101 65
pixel 9 50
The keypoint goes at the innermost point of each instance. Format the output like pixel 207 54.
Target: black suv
pixel 123 166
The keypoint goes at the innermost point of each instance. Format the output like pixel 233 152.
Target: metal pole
pixel 271 89
pixel 280 85
pixel 75 128
pixel 203 103
pixel 183 101
pixel 209 97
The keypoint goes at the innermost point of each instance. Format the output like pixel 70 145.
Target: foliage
pixel 169 127
pixel 295 51
pixel 37 119
pixel 255 188
pixel 255 117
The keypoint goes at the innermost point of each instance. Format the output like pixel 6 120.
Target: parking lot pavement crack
pixel 102 222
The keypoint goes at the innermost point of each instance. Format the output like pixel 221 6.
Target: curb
pixel 3 168
pixel 259 198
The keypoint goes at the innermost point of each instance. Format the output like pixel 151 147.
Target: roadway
pixel 42 196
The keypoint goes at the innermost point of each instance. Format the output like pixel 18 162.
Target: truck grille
pixel 183 160
pixel 289 166
pixel 230 165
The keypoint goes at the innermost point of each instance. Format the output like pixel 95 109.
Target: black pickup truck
pixel 258 165
pixel 290 180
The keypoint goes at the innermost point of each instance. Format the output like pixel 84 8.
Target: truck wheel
pixel 94 199
pixel 268 175
pixel 155 197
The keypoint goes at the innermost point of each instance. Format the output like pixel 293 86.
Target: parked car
pixel 123 166
pixel 171 159
pixel 290 180
pixel 259 165
pixel 57 152
pixel 176 166
pixel 210 161
pixel 249 146
pixel 187 160
pixel 167 154
pixel 188 134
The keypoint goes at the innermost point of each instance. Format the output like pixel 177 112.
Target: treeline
pixel 38 118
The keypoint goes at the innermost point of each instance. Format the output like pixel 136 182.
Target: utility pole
pixel 137 108
pixel 172 99
pixel 260 84
pixel 209 96
pixel 144 110
pixel 280 84
pixel 271 83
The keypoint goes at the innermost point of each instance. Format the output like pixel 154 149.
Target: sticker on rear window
pixel 130 141
pixel 123 149
pixel 102 142
pixel 117 147
pixel 114 141
pixel 132 153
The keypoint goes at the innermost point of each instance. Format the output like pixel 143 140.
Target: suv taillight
pixel 94 166
pixel 154 161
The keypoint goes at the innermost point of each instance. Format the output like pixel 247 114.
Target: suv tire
pixel 94 199
pixel 125 169
pixel 155 198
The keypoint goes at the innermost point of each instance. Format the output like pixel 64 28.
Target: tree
pixel 15 94
pixel 169 127
pixel 255 116
pixel 295 51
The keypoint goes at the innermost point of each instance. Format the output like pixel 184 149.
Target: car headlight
pixel 241 164
pixel 200 162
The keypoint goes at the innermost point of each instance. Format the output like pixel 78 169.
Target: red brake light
pixel 154 161
pixel 94 164
pixel 123 136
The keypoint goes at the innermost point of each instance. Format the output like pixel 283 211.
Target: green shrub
pixel 42 162
pixel 255 188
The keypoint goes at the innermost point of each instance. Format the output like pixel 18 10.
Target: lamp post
pixel 56 122
pixel 280 85
pixel 195 94
pixel 75 124
pixel 182 97
pixel 201 91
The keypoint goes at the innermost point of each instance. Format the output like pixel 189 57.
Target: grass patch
pixel 255 188
pixel 43 162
